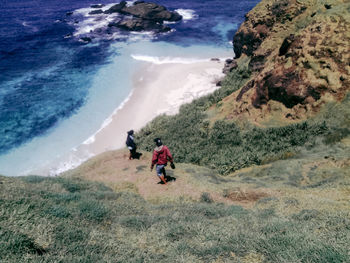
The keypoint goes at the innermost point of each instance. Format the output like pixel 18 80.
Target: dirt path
pixel 188 181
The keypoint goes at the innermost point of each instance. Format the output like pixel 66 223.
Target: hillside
pixel 262 164
pixel 287 211
pixel 299 56
pixel 280 94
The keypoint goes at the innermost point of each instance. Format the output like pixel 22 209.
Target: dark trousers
pixel 133 153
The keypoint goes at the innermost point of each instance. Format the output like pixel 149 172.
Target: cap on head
pixel 131 132
pixel 158 141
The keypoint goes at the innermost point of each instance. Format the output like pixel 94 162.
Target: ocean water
pixel 57 90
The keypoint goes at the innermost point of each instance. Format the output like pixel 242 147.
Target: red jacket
pixel 161 155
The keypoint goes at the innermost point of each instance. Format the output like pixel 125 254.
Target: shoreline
pixel 158 88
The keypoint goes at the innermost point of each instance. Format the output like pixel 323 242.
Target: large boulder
pixel 151 11
pixel 138 24
pixel 96 12
pixel 116 8
pixel 230 64
pixel 97 6
pixel 140 16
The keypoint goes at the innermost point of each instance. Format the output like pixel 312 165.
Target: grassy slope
pixel 195 136
pixel 294 210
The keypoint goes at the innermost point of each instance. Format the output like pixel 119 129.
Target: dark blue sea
pixel 56 89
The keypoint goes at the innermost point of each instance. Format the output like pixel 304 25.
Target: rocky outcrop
pixel 151 11
pixel 298 53
pixel 96 12
pixel 117 8
pixel 138 24
pixel 230 65
pixel 145 11
pixel 120 19
pixel 97 6
pixel 143 16
pixel 85 40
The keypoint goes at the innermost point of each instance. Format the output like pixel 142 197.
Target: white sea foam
pixel 138 36
pixel 83 11
pixel 107 121
pixel 116 36
pixel 168 60
pixel 86 10
pixel 187 14
pixel 93 22
pixel 130 3
pixel 33 28
pixel 72 162
pixel 168 23
pixel 90 24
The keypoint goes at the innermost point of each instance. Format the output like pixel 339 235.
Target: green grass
pixel 72 220
pixel 227 147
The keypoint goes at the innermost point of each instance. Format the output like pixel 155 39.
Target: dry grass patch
pixel 244 195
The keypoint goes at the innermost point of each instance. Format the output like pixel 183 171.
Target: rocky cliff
pixel 298 52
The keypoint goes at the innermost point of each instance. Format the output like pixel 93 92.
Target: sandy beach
pixel 158 88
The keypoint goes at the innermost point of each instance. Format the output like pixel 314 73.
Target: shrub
pixel 58 211
pixel 138 222
pixel 224 146
pixel 72 186
pixel 17 243
pixel 33 179
pixel 205 197
pixel 93 210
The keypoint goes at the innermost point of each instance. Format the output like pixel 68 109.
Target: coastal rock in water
pixel 85 40
pixel 96 12
pixel 140 16
pixel 143 16
pixel 116 8
pixel 151 11
pixel 97 6
pixel 138 24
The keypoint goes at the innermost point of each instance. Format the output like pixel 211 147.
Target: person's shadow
pixel 169 177
pixel 137 155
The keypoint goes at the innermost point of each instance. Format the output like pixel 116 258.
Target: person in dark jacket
pixel 130 143
pixel 160 158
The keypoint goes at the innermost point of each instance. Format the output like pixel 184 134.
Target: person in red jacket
pixel 161 156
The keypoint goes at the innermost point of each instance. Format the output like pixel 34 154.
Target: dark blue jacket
pixel 130 142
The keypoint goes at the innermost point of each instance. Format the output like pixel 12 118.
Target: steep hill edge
pixel 299 55
pixel 285 90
